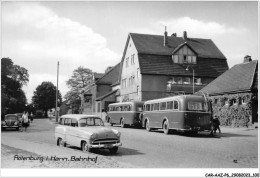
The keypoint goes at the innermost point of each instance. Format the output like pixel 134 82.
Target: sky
pixel 38 34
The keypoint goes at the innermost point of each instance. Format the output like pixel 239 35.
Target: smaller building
pixel 103 92
pixel 234 94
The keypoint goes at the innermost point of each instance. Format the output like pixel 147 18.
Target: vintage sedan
pixel 86 132
pixel 10 121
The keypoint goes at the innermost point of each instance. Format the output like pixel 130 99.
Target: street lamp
pixel 192 75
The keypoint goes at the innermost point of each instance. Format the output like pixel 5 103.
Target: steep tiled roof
pixel 153 44
pixel 98 75
pixel 163 65
pixel 111 76
pixel 239 78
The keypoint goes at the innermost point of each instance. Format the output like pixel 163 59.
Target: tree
pixel 13 77
pixel 44 97
pixel 79 82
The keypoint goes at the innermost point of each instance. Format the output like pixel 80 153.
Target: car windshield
pixel 11 117
pixel 90 121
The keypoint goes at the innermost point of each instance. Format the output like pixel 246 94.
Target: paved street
pixel 236 148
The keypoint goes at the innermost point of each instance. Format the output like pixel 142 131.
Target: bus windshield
pixel 196 106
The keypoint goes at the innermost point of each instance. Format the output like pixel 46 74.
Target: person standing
pixel 25 121
pixel 216 123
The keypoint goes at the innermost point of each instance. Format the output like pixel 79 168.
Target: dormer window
pixel 184 55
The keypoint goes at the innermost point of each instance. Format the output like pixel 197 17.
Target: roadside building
pixel 234 94
pixel 103 92
pixel 156 66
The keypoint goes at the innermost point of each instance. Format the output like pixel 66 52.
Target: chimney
pixel 165 37
pixel 185 35
pixel 247 58
pixel 174 35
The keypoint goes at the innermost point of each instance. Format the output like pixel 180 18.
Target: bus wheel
pixel 147 126
pixel 123 125
pixel 166 129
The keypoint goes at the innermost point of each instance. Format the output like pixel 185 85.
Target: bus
pixel 125 113
pixel 182 113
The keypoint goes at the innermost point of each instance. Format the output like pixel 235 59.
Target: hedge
pixel 233 109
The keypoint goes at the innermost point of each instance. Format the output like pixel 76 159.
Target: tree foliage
pixel 44 97
pixel 13 77
pixel 80 81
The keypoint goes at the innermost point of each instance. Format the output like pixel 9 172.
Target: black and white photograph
pixel 129 88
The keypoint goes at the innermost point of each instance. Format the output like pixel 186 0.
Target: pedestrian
pixel 31 117
pixel 25 121
pixel 216 124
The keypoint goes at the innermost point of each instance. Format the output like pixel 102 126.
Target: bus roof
pixel 78 116
pixel 127 103
pixel 178 97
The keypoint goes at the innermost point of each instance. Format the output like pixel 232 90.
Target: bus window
pixel 156 106
pixel 176 105
pixel 170 105
pixel 195 106
pixel 152 107
pixel 129 108
pixel 163 106
pixel 147 107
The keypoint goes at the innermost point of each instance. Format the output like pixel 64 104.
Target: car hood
pixel 102 132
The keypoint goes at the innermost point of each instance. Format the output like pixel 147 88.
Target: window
pixel 130 81
pixel 126 61
pixel 186 80
pixel 152 107
pixel 185 59
pixel 163 106
pixel 67 122
pixel 175 58
pixel 133 59
pixel 195 106
pixel 156 106
pixel 170 105
pixel 138 73
pixel 189 59
pixel 193 60
pixel 137 89
pixel 179 80
pixel 176 106
pixel 180 59
pixel 197 81
pixel 74 123
pixel 147 107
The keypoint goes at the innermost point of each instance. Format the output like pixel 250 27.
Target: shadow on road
pixel 204 134
pixel 122 151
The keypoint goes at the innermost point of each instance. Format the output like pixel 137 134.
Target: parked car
pixel 87 132
pixel 10 121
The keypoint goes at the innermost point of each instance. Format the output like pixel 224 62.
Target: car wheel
pixel 166 129
pixel 61 142
pixel 123 125
pixel 17 128
pixel 113 150
pixel 147 126
pixel 85 147
pixel 3 128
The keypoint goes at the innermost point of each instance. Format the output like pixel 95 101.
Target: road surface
pixel 236 148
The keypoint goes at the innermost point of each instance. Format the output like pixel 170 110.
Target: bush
pixel 234 113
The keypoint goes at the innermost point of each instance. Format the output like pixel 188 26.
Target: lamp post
pixel 56 109
pixel 192 77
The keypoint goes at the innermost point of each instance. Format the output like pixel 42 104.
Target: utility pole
pixel 56 109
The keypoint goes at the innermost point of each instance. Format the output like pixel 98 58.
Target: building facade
pixel 155 66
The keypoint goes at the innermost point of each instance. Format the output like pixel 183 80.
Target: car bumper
pixel 5 126
pixel 105 145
